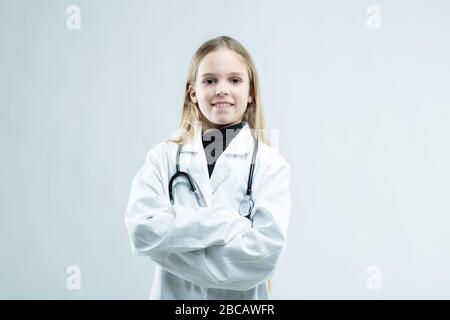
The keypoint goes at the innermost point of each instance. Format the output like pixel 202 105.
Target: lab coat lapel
pixel 193 161
pixel 221 170
pixel 239 146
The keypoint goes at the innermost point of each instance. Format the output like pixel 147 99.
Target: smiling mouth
pixel 222 105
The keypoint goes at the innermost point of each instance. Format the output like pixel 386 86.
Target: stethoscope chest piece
pixel 246 206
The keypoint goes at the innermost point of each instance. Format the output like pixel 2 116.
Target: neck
pixel 206 125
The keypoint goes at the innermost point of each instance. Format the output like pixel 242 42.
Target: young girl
pixel 211 207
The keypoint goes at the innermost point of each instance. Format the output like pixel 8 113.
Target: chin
pixel 222 122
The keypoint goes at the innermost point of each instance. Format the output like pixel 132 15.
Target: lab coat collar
pixel 241 144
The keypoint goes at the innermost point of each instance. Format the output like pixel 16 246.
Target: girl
pixel 219 232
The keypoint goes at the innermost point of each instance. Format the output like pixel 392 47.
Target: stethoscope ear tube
pixel 192 184
pixel 252 168
pixel 246 205
pixel 176 175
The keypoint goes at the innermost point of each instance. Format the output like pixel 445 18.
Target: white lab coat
pixel 210 252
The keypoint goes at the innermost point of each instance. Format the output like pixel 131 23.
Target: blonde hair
pixel 253 115
pixel 191 114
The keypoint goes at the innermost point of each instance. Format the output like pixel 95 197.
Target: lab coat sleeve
pixel 157 229
pixel 250 257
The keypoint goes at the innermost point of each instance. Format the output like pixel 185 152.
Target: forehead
pixel 222 61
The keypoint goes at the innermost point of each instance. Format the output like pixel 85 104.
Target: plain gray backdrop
pixel 363 116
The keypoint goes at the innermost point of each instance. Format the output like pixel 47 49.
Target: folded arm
pixel 212 247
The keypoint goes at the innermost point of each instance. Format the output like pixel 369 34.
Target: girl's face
pixel 222 89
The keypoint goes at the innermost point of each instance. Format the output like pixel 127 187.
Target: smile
pixel 222 105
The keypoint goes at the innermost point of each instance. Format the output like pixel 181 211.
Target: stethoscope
pixel 245 206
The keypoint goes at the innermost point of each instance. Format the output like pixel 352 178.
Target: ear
pixel 250 96
pixel 192 94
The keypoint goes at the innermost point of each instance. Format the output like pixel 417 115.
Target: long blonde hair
pixel 191 114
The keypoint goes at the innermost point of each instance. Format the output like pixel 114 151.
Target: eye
pixel 236 80
pixel 209 81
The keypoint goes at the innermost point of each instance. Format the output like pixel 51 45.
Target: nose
pixel 220 93
pixel 221 89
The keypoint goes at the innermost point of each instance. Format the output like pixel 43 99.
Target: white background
pixel 363 116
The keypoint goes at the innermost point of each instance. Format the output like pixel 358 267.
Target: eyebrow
pixel 230 74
